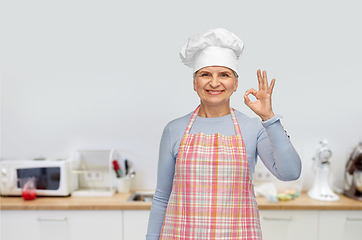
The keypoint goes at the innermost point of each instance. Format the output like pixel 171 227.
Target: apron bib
pixel 212 194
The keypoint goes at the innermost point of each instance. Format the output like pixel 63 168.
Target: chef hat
pixel 216 47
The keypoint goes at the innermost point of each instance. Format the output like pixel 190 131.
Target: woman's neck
pixel 209 111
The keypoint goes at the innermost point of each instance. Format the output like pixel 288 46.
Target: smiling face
pixel 215 85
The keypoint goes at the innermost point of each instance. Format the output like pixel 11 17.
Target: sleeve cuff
pixel 271 121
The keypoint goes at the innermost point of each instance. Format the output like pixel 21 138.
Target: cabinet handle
pixel 354 219
pixel 277 219
pixel 52 219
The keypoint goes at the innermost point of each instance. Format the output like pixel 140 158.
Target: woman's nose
pixel 214 83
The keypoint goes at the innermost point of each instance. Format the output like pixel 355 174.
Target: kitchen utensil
pixel 132 174
pixel 117 169
pixel 126 166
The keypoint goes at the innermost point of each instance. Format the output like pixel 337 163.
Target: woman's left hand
pixel 262 106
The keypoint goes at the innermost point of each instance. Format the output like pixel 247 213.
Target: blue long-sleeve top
pixel 266 139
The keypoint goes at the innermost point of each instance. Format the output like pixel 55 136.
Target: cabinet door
pixel 286 225
pixel 53 225
pixel 19 225
pixel 61 225
pixel 135 224
pixel 340 225
pixel 95 225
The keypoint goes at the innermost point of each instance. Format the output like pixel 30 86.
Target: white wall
pixel 107 74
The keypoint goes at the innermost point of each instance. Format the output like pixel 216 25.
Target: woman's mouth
pixel 214 92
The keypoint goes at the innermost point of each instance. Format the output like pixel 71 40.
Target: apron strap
pixel 192 120
pixel 236 123
pixel 233 117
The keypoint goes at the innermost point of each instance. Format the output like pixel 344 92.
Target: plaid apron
pixel 212 194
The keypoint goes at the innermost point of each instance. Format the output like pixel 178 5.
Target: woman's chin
pixel 215 103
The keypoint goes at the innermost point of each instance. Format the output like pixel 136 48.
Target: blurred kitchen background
pixel 107 74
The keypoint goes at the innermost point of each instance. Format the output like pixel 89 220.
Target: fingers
pixel 251 91
pixel 263 81
pixel 247 100
pixel 260 79
pixel 271 87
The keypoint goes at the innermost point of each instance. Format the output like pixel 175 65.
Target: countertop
pixel 119 202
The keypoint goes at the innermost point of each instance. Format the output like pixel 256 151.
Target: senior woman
pixel 207 158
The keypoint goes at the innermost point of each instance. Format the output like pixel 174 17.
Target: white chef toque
pixel 216 47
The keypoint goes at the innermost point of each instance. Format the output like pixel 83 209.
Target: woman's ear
pixel 194 84
pixel 236 84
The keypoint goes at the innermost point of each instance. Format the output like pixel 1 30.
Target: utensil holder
pixel 123 185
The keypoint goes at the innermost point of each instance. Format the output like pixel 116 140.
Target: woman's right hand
pixel 262 106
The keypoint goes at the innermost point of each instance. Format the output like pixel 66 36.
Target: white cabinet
pixel 276 225
pixel 311 225
pixel 340 225
pixel 132 225
pixel 105 225
pixel 61 225
pixel 285 225
pixel 18 225
pixel 135 223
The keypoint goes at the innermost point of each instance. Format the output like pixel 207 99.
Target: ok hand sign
pixel 262 106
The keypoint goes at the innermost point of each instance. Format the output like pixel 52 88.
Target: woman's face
pixel 215 85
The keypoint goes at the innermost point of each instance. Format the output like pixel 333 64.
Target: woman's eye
pixel 224 75
pixel 205 75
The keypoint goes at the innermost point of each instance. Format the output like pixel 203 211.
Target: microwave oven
pixel 53 177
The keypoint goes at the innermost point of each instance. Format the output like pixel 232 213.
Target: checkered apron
pixel 212 194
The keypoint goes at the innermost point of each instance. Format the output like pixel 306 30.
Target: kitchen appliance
pixel 321 190
pixel 353 174
pixel 52 177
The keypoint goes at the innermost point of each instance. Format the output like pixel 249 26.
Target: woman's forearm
pixel 277 152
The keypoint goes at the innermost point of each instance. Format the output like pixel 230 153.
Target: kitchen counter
pixel 119 202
